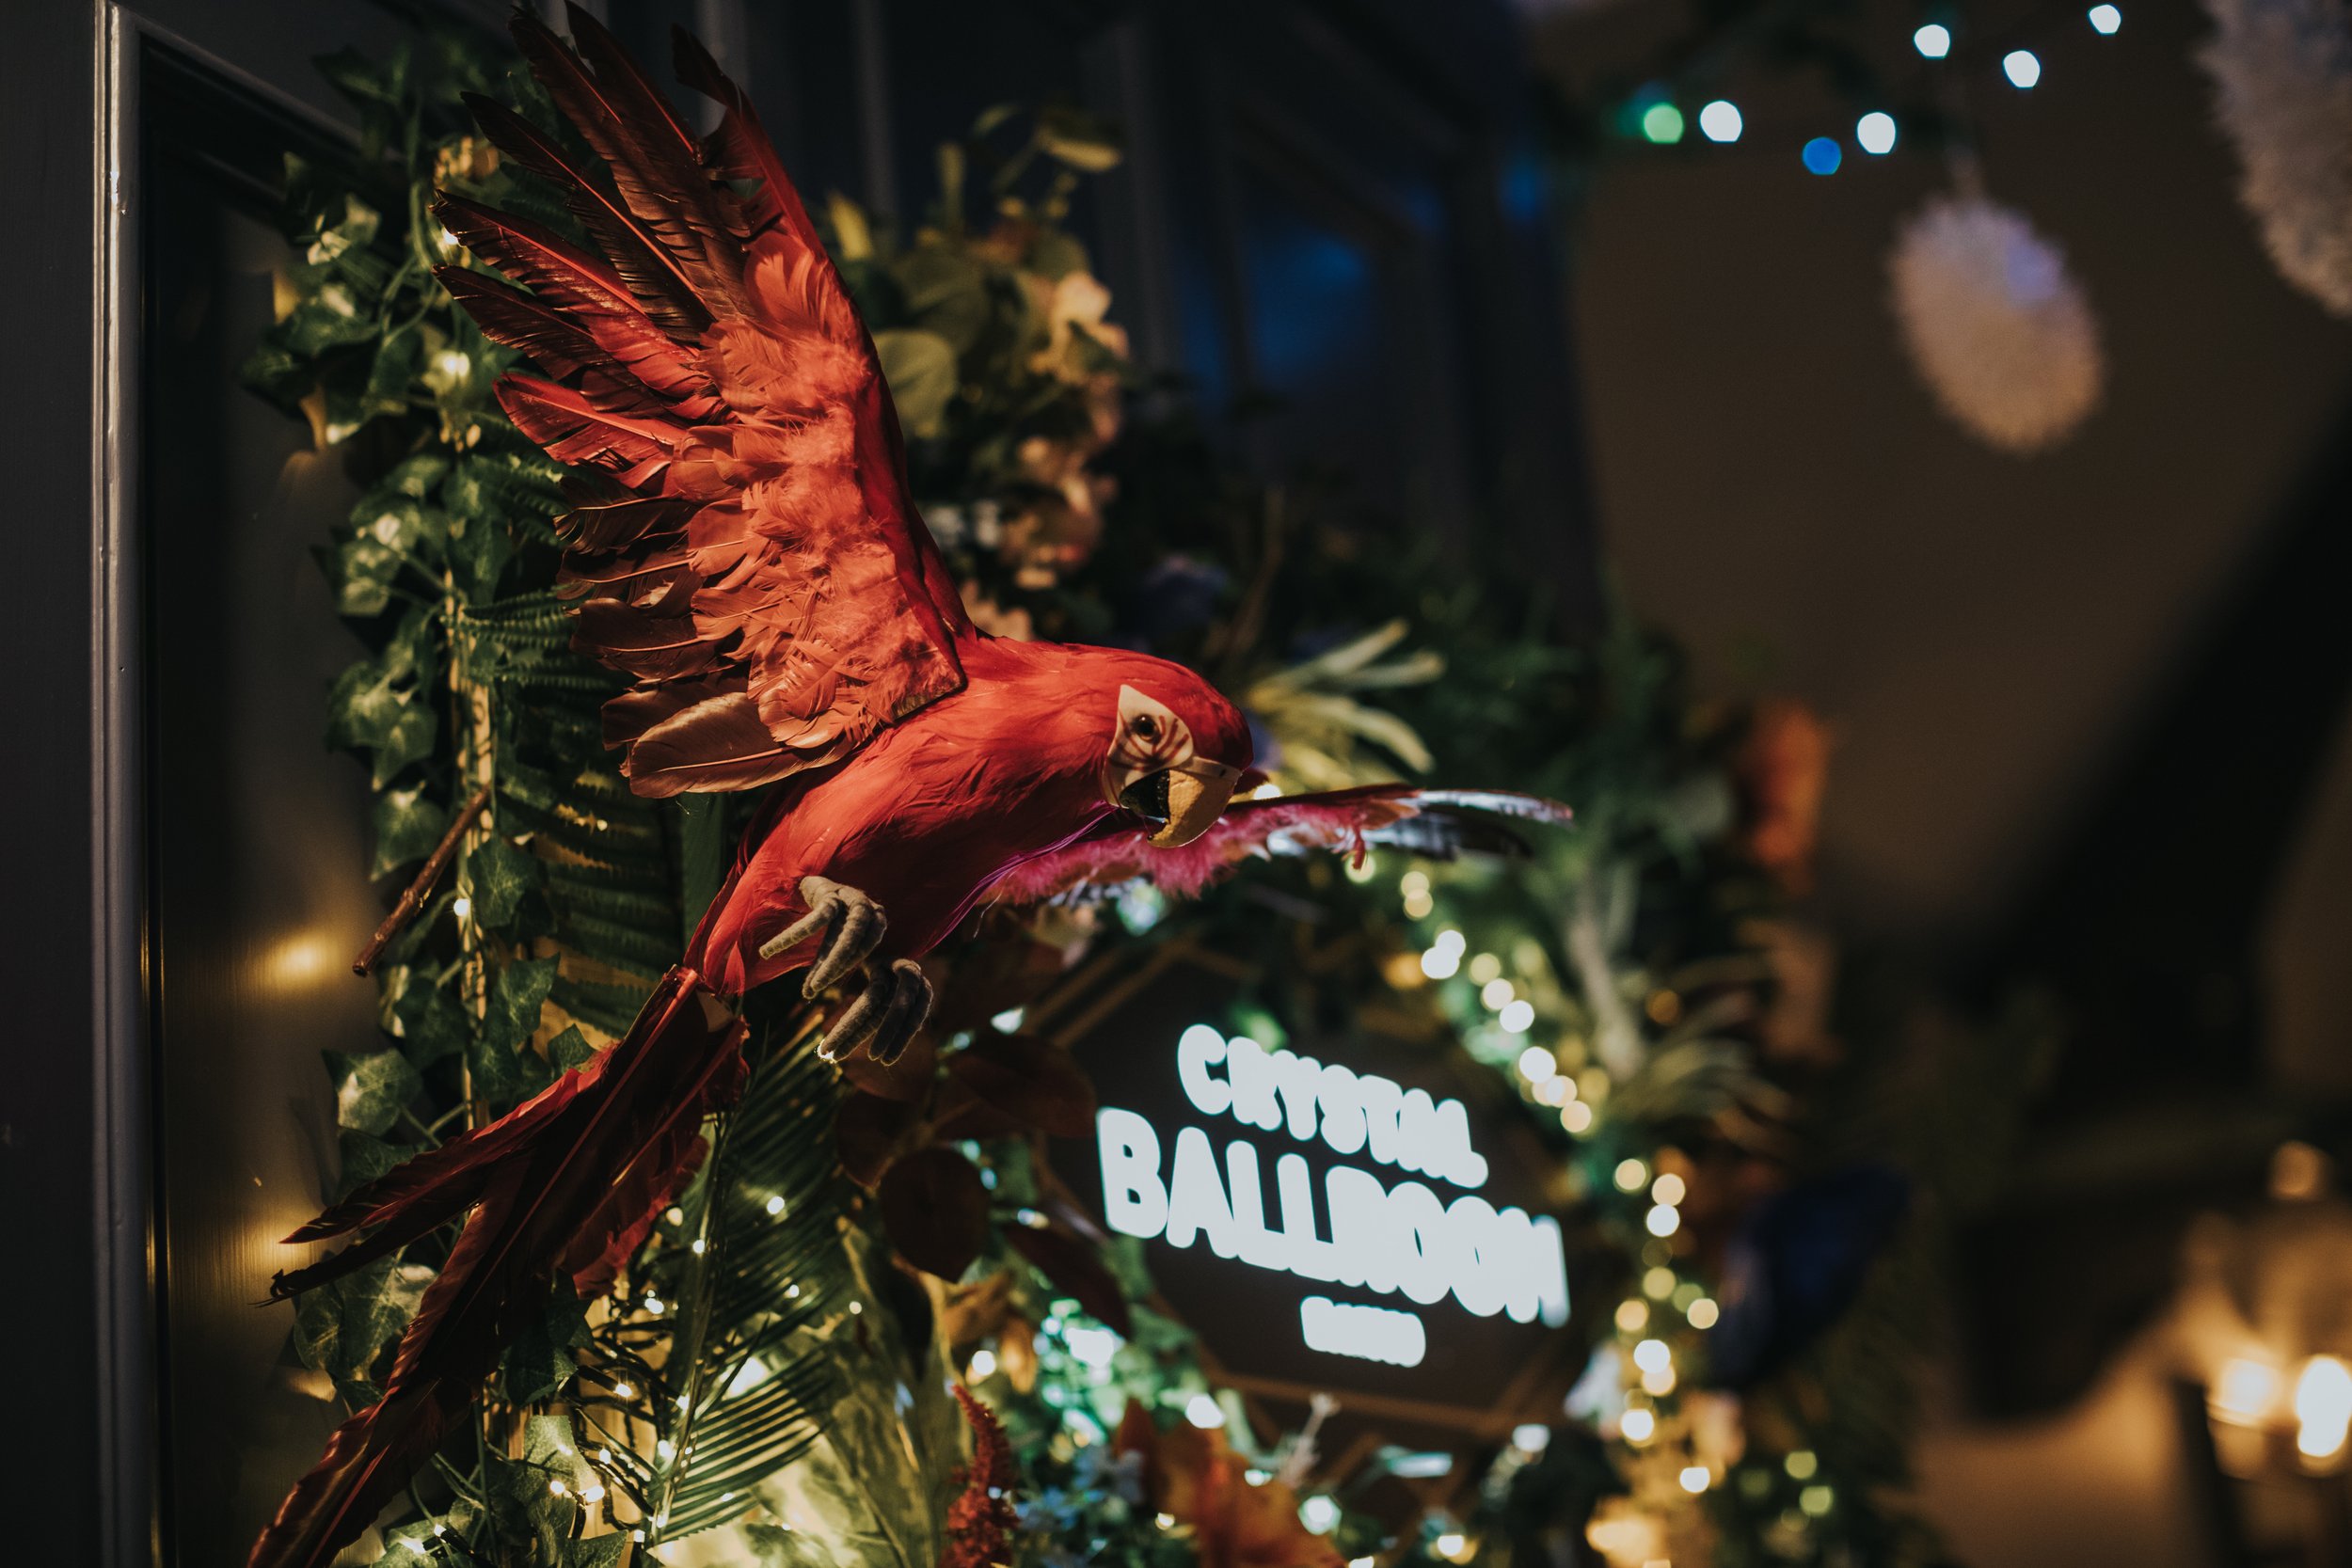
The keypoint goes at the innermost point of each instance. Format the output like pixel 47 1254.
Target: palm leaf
pixel 748 1374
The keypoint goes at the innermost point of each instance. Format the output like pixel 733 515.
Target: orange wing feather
pixel 769 583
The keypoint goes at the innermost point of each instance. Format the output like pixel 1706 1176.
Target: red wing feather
pixel 1435 823
pixel 772 589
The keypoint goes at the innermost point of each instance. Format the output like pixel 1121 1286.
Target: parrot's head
pixel 1175 749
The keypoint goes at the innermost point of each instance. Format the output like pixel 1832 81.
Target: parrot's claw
pixel 885 1017
pixel 857 929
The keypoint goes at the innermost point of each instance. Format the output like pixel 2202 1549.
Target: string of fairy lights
pixel 1657 1323
pixel 1654 115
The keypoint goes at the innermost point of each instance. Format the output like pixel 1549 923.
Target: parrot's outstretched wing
pixel 759 567
pixel 1437 824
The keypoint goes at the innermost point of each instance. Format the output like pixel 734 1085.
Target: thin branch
pixel 414 898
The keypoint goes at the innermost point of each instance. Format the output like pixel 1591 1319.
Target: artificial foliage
pixel 770 1372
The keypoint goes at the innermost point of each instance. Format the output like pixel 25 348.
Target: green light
pixel 1662 122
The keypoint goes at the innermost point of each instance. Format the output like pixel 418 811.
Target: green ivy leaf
pixel 371 1089
pixel 408 826
pixel 502 1070
pixel 365 1156
pixel 540 1362
pixel 363 570
pixel 427 1020
pixel 369 709
pixel 521 1506
pixel 504 879
pixel 597 1551
pixel 341 1326
pixel 390 372
pixel 570 1049
pixel 416 476
pixel 921 370
pixel 479 549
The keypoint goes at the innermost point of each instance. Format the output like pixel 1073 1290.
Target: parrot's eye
pixel 1146 727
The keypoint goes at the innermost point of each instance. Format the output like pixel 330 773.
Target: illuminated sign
pixel 1358 1227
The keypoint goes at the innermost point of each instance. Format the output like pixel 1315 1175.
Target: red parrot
pixel 760 569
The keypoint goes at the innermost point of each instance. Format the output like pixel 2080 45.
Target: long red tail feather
pixel 568 1182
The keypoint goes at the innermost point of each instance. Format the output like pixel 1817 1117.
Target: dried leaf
pixel 1076 1269
pixel 935 1208
pixel 868 1132
pixel 1030 1079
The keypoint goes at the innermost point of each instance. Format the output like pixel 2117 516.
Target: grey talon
pixel 910 1009
pixel 857 927
pixel 859 1020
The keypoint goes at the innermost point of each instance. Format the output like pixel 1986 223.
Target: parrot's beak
pixel 1183 802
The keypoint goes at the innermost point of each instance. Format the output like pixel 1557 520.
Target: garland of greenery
pixel 768 1382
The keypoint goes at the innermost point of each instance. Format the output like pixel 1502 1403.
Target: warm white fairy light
pixel 1497 992
pixel 1485 970
pixel 775 1206
pixel 1668 1190
pixel 1414 887
pixel 1630 1176
pixel 1517 1017
pixel 983 1365
pixel 1801 1464
pixel 2107 20
pixel 462 908
pixel 1935 40
pixel 1445 959
pixel 1657 1283
pixel 1694 1478
pixel 1719 121
pixel 1632 1315
pixel 653 1305
pixel 1650 1354
pixel 1663 1220
pixel 1537 1065
pixel 1554 1090
pixel 1703 1313
pixel 623 1392
pixel 1576 1116
pixel 2022 67
pixel 1205 1412
pixel 2244 1391
pixel 2322 1407
pixel 1659 1382
pixel 1638 1425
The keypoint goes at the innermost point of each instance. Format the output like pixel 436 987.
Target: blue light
pixel 1823 155
pixel 1935 40
pixel 2021 67
pixel 2106 19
